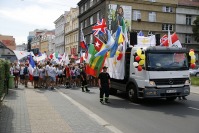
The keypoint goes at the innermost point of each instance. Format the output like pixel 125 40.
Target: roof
pixel 188 2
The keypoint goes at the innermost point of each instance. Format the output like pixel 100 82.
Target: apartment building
pixel 186 13
pixel 150 16
pixel 71 32
pixel 59 34
pixel 41 40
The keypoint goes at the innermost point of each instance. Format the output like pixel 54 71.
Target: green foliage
pixel 195 29
pixel 4 73
pixel 195 81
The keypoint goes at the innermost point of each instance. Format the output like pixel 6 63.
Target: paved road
pixel 150 116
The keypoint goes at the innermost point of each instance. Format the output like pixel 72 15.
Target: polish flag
pixel 175 41
pixel 31 67
pixel 82 41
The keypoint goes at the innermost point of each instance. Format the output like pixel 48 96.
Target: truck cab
pixel 164 74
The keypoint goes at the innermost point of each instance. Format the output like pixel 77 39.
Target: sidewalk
pixel 28 110
pixel 194 89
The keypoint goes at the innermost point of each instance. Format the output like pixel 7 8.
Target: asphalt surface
pixel 149 116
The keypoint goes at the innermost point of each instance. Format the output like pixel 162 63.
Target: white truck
pixel 165 74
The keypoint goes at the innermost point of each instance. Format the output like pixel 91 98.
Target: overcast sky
pixel 18 17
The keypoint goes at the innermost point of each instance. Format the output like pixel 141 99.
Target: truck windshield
pixel 167 61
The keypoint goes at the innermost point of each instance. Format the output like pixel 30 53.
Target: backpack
pixel 25 70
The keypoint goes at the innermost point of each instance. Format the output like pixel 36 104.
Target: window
pixel 152 17
pixel 91 38
pixel 165 27
pixel 188 19
pixel 136 15
pixel 167 9
pixel 85 23
pixel 152 0
pixel 187 38
pixel 91 20
pixel 82 9
pixel 85 6
pixel 98 16
pixel 91 3
pixel 81 25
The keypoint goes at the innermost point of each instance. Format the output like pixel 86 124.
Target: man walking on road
pixel 104 85
pixel 84 80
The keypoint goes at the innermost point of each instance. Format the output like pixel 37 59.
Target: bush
pixel 195 81
pixel 4 74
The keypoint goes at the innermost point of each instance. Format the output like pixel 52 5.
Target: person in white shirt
pixel 47 75
pixel 53 74
pixel 22 77
pixel 11 69
pixel 36 76
pixel 16 70
pixel 41 75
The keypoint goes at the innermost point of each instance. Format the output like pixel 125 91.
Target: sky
pixel 19 17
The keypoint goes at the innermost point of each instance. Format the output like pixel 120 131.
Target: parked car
pixel 194 72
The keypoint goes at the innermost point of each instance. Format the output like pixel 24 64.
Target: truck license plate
pixel 171 91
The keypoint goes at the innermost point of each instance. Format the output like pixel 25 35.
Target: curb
pixel 3 96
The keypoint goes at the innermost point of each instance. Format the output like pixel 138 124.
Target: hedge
pixel 4 74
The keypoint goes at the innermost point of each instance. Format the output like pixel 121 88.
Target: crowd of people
pixel 50 75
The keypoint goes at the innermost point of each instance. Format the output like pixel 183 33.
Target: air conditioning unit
pixel 139 19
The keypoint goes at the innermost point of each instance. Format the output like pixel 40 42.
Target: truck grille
pixel 170 81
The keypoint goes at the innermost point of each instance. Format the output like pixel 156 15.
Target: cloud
pixel 34 15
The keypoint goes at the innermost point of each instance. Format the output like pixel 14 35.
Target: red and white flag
pixel 175 41
pixel 98 44
pixel 82 41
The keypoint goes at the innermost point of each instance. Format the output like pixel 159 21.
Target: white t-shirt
pixel 47 70
pixel 41 73
pixel 16 69
pixel 60 72
pixel 21 71
pixel 36 72
pixel 11 70
pixel 53 72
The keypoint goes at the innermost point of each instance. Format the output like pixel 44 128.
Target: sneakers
pixel 101 102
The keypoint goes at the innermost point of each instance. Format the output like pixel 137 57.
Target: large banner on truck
pixel 117 13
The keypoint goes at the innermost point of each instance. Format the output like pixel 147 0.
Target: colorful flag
pixel 82 41
pixel 31 67
pixel 94 64
pixel 174 41
pixel 118 40
pixel 140 33
pixel 108 46
pixel 100 27
pixel 98 44
pixel 164 38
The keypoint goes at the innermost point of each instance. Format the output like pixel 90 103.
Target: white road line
pixel 193 108
pixel 91 114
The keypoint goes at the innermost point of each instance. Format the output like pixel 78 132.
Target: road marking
pixel 91 114
pixel 193 108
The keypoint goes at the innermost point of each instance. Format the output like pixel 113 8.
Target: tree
pixel 195 29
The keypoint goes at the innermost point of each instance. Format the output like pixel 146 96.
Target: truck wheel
pixel 132 93
pixel 171 98
pixel 112 91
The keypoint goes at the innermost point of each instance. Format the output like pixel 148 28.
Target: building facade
pixel 22 47
pixel 59 34
pixel 40 42
pixel 186 13
pixel 71 32
pixel 149 16
pixel 8 41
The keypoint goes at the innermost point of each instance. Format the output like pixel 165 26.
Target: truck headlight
pixel 152 83
pixel 187 82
